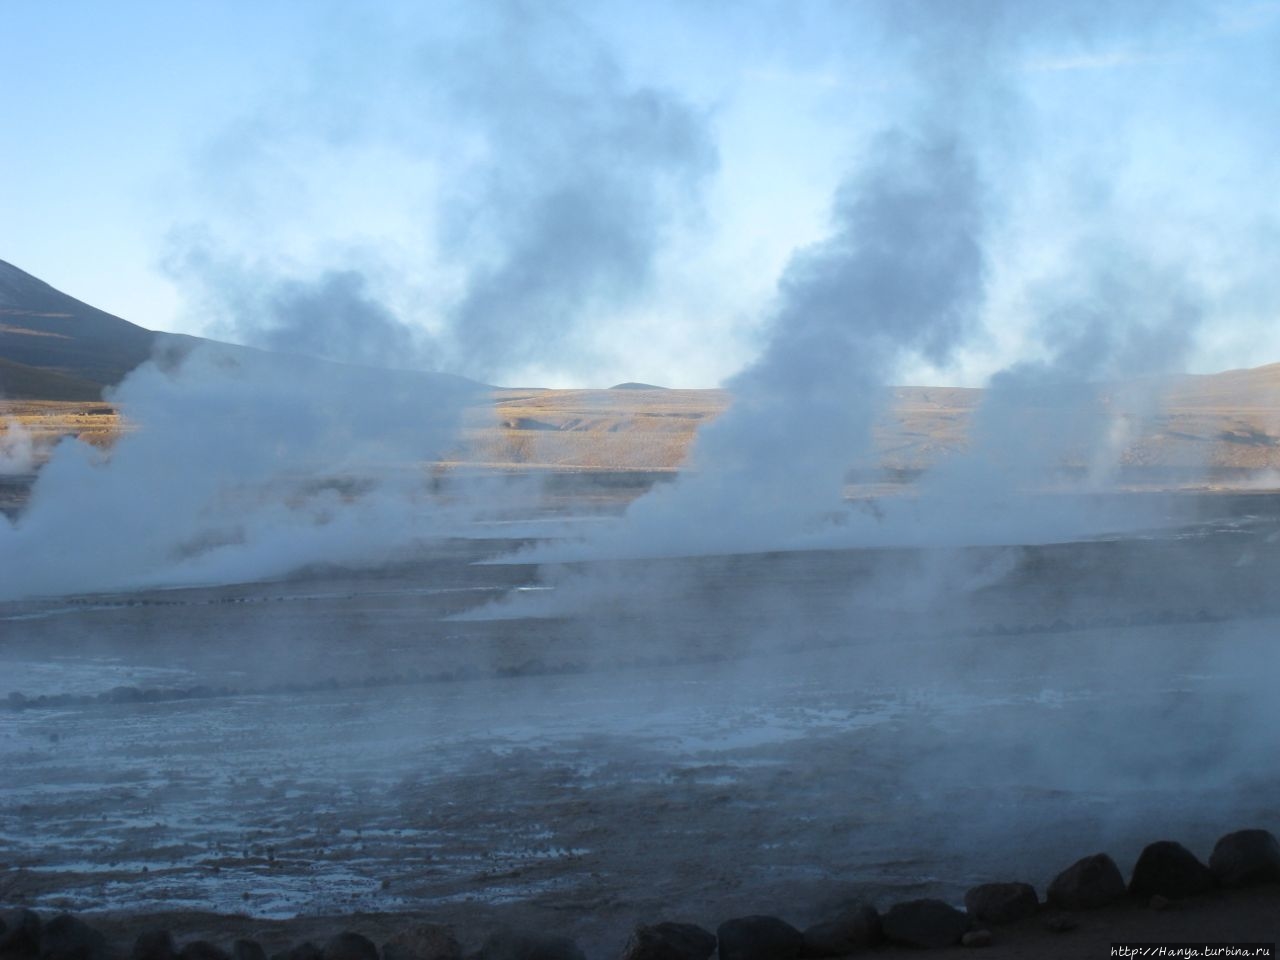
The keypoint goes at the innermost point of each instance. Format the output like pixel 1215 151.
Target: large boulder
pixel 423 941
pixel 1001 903
pixel 350 946
pixel 19 933
pixel 247 950
pixel 202 950
pixel 758 938
pixel 1087 884
pixel 856 929
pixel 1169 869
pixel 670 941
pixel 1246 857
pixel 154 945
pixel 925 923
pixel 68 938
pixel 526 945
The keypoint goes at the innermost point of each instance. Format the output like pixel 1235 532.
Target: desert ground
pixel 462 736
pixel 703 738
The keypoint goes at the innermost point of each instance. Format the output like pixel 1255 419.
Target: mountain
pixel 54 347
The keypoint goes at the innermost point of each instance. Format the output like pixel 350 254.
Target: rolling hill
pixel 54 347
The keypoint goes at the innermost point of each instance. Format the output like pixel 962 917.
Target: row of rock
pixel 1164 871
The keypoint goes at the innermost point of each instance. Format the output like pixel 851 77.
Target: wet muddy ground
pixel 621 742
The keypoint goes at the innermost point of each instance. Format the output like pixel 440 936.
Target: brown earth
pixel 1227 424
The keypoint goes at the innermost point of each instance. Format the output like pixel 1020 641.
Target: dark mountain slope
pixel 46 330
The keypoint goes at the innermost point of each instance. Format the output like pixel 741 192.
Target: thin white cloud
pixel 1101 60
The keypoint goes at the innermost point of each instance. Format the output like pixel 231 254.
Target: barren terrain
pixel 703 738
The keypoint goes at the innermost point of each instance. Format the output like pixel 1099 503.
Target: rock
pixel 855 929
pixel 670 941
pixel 425 941
pixel 976 938
pixel 154 945
pixel 758 938
pixel 1060 923
pixel 247 950
pixel 525 945
pixel 350 946
pixel 1170 870
pixel 303 951
pixel 1246 857
pixel 1088 883
pixel 925 923
pixel 20 936
pixel 1002 903
pixel 202 950
pixel 67 938
pixel 1158 902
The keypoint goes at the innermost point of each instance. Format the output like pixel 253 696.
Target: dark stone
pixel 670 941
pixel 247 950
pixel 1002 902
pixel 202 950
pixel 68 938
pixel 303 951
pixel 526 945
pixel 855 929
pixel 21 933
pixel 1060 923
pixel 424 941
pixel 154 945
pixel 976 938
pixel 1088 883
pixel 1245 858
pixel 1170 870
pixel 759 938
pixel 350 946
pixel 925 923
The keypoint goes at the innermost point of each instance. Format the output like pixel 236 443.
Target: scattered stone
pixel 20 935
pixel 68 938
pixel 525 945
pixel 976 938
pixel 1088 883
pixel 855 929
pixel 202 950
pixel 670 941
pixel 350 946
pixel 425 941
pixel 1002 903
pixel 925 923
pixel 1170 870
pixel 758 938
pixel 1245 858
pixel 1060 923
pixel 247 950
pixel 303 951
pixel 154 945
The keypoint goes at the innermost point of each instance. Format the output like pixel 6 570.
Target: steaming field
pixel 583 746
pixel 1227 423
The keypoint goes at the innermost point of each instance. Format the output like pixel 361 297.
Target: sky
pixel 582 193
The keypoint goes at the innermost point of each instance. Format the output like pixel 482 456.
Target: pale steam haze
pixel 391 584
pixel 584 193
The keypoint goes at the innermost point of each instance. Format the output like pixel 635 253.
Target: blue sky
pixel 170 162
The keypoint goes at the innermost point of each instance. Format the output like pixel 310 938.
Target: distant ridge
pixel 54 347
pixel 51 333
pixel 21 382
pixel 635 385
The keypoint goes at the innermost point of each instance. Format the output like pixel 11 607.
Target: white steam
pixel 17 449
pixel 240 465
